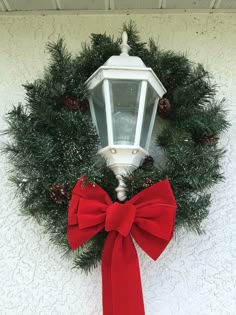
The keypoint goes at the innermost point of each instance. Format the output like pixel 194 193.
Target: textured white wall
pixel 196 274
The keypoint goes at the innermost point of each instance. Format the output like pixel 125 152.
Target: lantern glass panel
pixel 151 97
pixel 100 113
pixel 125 96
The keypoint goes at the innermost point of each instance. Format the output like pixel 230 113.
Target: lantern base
pixel 123 160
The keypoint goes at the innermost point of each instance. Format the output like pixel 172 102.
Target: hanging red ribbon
pixel 148 217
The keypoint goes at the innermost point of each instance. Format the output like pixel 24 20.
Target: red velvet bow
pixel 149 217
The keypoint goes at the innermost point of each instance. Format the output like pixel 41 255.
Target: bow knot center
pixel 120 218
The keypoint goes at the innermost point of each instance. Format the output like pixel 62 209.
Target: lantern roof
pixel 125 61
pixel 126 67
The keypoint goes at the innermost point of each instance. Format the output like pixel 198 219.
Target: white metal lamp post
pixel 123 103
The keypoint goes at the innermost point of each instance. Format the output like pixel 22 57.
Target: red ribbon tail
pixel 122 289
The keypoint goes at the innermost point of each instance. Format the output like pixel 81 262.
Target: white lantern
pixel 123 102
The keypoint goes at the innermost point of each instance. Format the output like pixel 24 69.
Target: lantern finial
pixel 124 45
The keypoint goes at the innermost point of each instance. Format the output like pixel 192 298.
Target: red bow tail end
pixel 148 217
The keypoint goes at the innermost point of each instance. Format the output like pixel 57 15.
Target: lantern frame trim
pixel 125 73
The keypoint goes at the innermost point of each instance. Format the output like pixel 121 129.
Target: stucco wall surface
pixel 196 275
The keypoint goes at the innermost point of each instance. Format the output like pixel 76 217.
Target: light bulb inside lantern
pixel 124 125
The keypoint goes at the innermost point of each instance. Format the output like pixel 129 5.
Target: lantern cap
pixel 124 60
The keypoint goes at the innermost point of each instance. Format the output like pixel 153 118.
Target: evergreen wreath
pixel 54 141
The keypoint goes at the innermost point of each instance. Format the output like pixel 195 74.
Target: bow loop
pixel 120 217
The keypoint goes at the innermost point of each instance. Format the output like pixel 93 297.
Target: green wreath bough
pixel 54 141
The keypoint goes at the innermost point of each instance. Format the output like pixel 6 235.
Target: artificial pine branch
pixel 90 254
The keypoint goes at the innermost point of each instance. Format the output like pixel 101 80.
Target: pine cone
pixel 60 194
pixel 71 103
pixel 209 140
pixel 147 182
pixel 148 161
pixel 164 107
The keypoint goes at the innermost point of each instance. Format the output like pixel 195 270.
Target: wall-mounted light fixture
pixel 123 103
